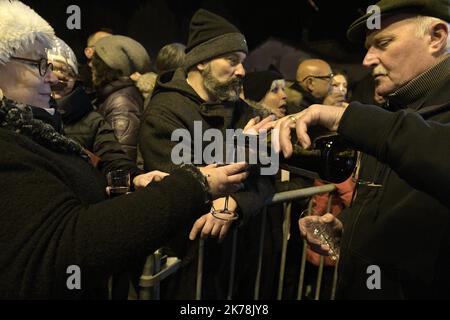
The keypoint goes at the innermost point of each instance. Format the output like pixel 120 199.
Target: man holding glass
pixel 391 225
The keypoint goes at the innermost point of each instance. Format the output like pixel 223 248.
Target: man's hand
pixel 316 114
pixel 209 226
pixel 143 180
pixel 224 180
pixel 329 223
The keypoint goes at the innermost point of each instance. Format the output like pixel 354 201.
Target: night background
pixel 314 26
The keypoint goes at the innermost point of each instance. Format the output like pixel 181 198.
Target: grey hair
pixel 424 23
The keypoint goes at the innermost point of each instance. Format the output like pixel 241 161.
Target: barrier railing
pixel 155 271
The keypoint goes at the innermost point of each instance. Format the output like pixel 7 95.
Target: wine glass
pixel 118 182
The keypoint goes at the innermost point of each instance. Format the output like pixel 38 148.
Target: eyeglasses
pixel 328 77
pixel 42 64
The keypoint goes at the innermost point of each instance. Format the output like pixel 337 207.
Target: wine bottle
pixel 330 159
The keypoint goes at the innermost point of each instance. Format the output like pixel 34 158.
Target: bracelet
pixel 198 175
pixel 225 215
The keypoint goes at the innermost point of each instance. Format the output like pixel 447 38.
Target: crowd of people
pixel 64 127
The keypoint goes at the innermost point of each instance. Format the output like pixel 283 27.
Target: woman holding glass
pixel 54 210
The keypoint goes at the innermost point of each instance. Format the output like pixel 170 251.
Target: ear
pixel 88 52
pixel 309 83
pixel 201 66
pixel 438 37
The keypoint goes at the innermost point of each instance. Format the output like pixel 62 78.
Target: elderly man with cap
pixel 115 59
pixel 393 228
pixel 206 91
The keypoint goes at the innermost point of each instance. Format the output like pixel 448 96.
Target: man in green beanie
pixel 395 239
pixel 206 91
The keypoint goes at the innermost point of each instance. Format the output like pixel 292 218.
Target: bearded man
pixel 205 91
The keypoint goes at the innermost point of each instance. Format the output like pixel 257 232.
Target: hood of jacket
pixel 176 81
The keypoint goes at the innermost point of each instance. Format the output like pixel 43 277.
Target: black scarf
pixel 19 118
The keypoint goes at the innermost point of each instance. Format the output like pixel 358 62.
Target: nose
pixel 371 59
pixel 50 77
pixel 240 71
pixel 283 95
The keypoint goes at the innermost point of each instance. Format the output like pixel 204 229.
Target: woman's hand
pixel 226 179
pixel 142 180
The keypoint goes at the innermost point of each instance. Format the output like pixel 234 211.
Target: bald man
pixel 313 82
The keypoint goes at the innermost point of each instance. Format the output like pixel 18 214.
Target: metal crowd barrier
pixel 157 267
pixel 155 271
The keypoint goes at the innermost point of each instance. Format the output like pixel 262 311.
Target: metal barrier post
pixel 335 275
pixel 321 264
pixel 260 256
pixel 145 293
pixel 154 272
pixel 301 278
pixel 286 233
pixel 201 251
pixel 232 265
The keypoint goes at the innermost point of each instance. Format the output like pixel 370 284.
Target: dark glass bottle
pixel 330 159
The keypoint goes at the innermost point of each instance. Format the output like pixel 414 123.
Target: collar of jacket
pixel 105 91
pixel 307 98
pixel 412 94
pixel 74 106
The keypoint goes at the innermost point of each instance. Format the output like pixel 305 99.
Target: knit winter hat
pixel 211 36
pixel 20 27
pixel 124 54
pixel 258 83
pixel 63 53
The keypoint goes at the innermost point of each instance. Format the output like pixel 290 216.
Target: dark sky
pixel 158 22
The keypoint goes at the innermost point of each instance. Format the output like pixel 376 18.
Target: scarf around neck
pixel 18 117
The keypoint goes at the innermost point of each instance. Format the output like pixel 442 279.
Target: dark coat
pixel 121 103
pixel 362 121
pixel 54 215
pixel 404 231
pixel 90 129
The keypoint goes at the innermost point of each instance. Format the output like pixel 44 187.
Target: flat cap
pixel 433 8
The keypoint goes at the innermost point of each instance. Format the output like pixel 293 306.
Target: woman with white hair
pixel 54 210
